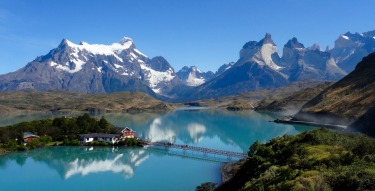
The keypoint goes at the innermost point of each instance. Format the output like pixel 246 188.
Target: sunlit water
pixel 136 168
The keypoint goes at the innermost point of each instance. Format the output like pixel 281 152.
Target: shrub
pixel 316 160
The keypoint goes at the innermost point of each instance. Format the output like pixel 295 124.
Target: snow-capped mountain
pixel 192 76
pixel 98 68
pixel 350 48
pixel 258 67
pixel 264 53
pixel 302 63
pixel 159 75
pixel 93 68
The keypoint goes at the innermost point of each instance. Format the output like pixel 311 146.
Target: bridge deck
pixel 200 149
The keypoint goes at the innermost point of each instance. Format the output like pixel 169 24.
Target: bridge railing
pixel 200 149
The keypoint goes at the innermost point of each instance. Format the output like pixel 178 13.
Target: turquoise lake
pixel 137 168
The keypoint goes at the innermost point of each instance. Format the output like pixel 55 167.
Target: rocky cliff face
pixel 264 53
pixel 302 63
pixel 223 68
pixel 350 48
pixel 260 66
pixel 257 68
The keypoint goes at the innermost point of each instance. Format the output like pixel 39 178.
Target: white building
pixel 109 138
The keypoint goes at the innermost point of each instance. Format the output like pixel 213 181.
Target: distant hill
pixel 293 102
pixel 65 102
pixel 346 100
pixel 251 99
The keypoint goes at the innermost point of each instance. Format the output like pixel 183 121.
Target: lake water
pixel 136 168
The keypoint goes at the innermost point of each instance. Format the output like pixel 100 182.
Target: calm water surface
pixel 104 168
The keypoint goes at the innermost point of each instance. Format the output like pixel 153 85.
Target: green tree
pixel 33 144
pixel 253 148
pixel 103 123
pixel 4 136
pixel 44 140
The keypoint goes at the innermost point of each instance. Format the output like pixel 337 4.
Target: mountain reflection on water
pixel 71 161
pixel 230 130
pixel 136 168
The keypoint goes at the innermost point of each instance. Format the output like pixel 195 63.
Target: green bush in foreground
pixel 316 160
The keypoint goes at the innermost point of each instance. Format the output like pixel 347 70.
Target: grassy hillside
pixel 316 160
pixel 60 101
pixel 294 101
pixel 347 99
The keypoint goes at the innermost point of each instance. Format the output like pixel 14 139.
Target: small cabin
pixel 100 137
pixel 28 136
pixel 127 133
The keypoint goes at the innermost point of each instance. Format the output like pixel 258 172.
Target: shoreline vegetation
pixel 58 131
pixel 318 159
pixel 315 160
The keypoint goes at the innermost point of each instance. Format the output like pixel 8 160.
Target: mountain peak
pixel 185 68
pixel 267 36
pixel 266 40
pixel 83 43
pixel 192 76
pixel 345 36
pixel 293 43
pixel 126 40
pixel 224 68
pixel 315 47
pixel 159 63
pixel 65 42
pixel 263 52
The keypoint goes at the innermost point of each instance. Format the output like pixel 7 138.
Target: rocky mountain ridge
pixel 97 68
pixel 192 76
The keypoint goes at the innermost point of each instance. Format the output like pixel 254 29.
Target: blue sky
pixel 204 33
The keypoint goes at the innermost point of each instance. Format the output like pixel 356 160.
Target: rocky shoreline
pixel 329 126
pixel 229 169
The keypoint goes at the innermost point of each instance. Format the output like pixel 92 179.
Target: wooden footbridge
pixel 194 148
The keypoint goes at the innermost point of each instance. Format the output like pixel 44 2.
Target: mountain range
pixel 97 68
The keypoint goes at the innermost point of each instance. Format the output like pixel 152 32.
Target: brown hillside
pixel 60 101
pixel 347 99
